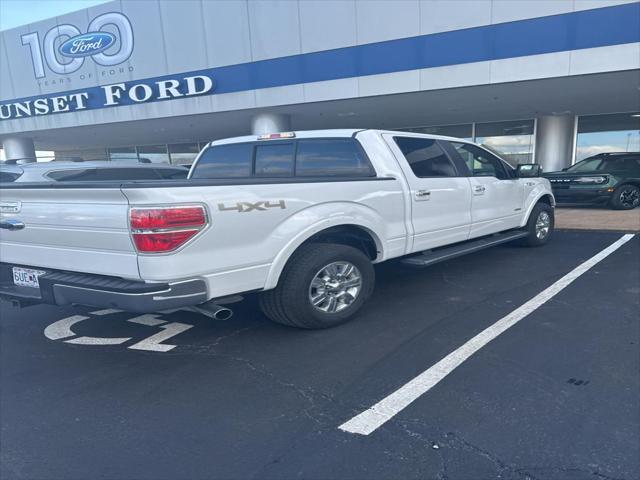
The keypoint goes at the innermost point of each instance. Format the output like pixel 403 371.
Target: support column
pixel 555 137
pixel 19 148
pixel 270 123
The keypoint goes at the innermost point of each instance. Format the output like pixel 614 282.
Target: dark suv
pixel 607 178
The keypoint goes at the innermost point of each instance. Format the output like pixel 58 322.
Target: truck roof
pixel 330 133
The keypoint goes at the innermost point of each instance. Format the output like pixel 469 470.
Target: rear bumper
pixel 67 288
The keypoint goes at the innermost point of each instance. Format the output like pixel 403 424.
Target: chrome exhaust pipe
pixel 222 313
pixel 213 310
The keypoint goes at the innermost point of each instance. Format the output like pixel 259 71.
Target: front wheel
pixel 322 286
pixel 626 197
pixel 540 225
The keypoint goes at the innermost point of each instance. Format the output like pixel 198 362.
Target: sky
pixel 14 13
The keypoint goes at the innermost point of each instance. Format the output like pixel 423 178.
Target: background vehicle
pixel 88 171
pixel 301 217
pixel 608 179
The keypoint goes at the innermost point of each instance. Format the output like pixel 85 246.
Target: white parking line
pixel 383 411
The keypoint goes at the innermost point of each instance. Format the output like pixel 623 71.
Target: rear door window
pixel 275 160
pixel 225 161
pixel 331 157
pixel 481 163
pixel 425 157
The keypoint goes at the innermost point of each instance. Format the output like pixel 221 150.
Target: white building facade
pixel 546 80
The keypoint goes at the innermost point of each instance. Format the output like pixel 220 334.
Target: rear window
pixel 172 174
pixel 103 174
pixel 75 175
pixel 332 158
pixel 323 157
pixel 108 174
pixel 7 177
pixel 225 161
pixel 274 160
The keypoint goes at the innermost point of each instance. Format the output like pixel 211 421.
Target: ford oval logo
pixel 87 44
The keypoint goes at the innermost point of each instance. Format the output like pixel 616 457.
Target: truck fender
pixel 323 217
pixel 535 195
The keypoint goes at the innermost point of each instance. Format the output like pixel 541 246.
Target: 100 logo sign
pixel 76 46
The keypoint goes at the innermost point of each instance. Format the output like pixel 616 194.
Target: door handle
pixel 423 194
pixel 530 184
pixel 479 189
pixel 12 224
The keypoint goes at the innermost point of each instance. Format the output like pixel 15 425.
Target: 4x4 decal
pixel 243 207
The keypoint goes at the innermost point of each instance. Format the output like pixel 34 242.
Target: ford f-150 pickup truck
pixel 300 217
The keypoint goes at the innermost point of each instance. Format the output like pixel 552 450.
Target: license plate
pixel 26 277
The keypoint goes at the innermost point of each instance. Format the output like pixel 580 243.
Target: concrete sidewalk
pixel 595 218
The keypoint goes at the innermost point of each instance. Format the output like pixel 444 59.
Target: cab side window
pixel 480 162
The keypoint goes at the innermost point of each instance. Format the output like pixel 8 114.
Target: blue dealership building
pixel 547 80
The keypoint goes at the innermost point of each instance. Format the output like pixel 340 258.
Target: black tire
pixel 290 303
pixel 534 238
pixel 626 197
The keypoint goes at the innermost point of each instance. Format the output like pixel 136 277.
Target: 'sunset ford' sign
pixel 125 93
pixel 87 44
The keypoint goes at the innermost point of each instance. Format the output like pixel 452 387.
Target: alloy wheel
pixel 630 197
pixel 543 224
pixel 335 287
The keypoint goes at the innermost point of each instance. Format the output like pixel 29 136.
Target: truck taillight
pixel 164 229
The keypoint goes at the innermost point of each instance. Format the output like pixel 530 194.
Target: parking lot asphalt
pixel 556 396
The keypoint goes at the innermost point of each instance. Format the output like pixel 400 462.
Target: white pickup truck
pixel 300 217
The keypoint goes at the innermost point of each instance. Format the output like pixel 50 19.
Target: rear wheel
pixel 540 225
pixel 626 197
pixel 322 286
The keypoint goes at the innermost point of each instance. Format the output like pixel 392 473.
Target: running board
pixel 430 257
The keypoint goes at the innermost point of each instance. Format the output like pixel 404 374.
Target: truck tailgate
pixel 76 229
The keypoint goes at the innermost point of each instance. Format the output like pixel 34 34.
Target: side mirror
pixel 529 170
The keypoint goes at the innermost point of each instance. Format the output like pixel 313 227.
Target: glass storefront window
pixel 619 132
pixel 153 154
pixel 183 153
pixel 513 140
pixel 464 131
pixel 123 153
